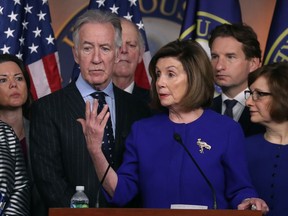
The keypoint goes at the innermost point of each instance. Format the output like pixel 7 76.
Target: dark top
pixel 156 165
pixel 141 93
pixel 268 167
pixel 249 128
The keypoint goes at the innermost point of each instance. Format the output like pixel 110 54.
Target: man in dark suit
pixel 235 52
pixel 59 156
pixel 131 54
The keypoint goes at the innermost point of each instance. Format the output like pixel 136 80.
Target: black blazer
pixel 249 128
pixel 143 94
pixel 59 156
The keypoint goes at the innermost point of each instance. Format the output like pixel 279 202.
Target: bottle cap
pixel 79 188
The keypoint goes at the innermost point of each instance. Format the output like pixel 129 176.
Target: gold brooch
pixel 202 145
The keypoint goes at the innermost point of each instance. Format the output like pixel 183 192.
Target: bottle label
pixel 79 205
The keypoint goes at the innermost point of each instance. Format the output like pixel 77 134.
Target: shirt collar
pixel 239 97
pixel 130 88
pixel 86 89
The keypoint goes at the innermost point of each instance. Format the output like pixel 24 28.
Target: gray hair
pixel 98 16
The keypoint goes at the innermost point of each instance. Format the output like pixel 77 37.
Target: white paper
pixel 184 206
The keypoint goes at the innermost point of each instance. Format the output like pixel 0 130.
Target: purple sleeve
pixel 238 181
pixel 127 186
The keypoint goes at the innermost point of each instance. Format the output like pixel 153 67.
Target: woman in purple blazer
pixel 267 153
pixel 186 154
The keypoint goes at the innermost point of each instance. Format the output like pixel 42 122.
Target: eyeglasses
pixel 256 95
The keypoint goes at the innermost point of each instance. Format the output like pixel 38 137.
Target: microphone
pixel 178 139
pixel 100 185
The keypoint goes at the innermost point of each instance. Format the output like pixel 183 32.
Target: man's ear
pixel 254 64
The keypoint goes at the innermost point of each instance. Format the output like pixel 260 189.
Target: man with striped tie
pixel 59 155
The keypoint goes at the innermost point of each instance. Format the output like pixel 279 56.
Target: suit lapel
pixel 74 101
pixel 217 104
pixel 121 113
pixel 245 117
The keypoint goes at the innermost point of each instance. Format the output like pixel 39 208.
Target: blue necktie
pixel 108 138
pixel 229 107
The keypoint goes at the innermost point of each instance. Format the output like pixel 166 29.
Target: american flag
pixel 129 9
pixel 26 32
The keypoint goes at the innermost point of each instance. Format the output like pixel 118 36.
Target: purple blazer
pixel 157 166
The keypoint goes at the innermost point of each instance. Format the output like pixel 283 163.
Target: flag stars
pixel 5 49
pixel 114 9
pixel 27 33
pixel 28 9
pixel 133 2
pixel 25 24
pixel 33 48
pixel 9 33
pixel 1 10
pixel 50 39
pixel 100 3
pixel 128 16
pixel 13 16
pixel 37 32
pixel 21 41
pixel 19 55
pixel 140 25
pixel 41 16
pixel 17 2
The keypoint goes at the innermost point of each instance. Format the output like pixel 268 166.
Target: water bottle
pixel 79 199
